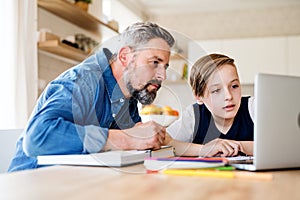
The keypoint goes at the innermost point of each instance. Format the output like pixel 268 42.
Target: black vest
pixel 205 129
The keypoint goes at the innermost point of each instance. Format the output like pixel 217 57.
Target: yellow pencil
pixel 219 174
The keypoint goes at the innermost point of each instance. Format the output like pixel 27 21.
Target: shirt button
pixel 114 115
pixel 122 100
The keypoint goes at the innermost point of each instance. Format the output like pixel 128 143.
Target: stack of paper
pixel 156 164
pixel 163 152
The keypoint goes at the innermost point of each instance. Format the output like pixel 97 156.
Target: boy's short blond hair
pixel 203 69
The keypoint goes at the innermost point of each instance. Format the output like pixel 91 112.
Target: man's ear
pixel 124 55
pixel 199 100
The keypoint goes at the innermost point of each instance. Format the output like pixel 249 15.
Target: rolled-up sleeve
pixel 65 121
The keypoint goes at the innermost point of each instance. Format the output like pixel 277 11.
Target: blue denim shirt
pixel 74 113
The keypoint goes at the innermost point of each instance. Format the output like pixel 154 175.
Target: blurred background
pixel 43 38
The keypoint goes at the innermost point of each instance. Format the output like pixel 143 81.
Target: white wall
pixel 276 55
pixel 177 95
pixel 293 55
pixel 123 15
pixel 260 40
pixel 243 23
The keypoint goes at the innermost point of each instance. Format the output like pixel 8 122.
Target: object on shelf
pixel 176 71
pixel 73 14
pixel 176 56
pixel 53 45
pixel 45 35
pixel 83 4
pixel 63 50
pixel 85 43
pixel 77 50
pixel 114 24
pixel 72 44
pixel 184 72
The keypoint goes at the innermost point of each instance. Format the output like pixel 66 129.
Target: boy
pixel 221 122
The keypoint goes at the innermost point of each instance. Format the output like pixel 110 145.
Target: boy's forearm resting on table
pixel 247 147
pixel 191 149
pixel 183 148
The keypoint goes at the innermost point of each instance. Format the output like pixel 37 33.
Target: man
pixel 92 107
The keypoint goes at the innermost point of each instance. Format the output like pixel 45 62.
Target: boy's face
pixel 147 70
pixel 222 95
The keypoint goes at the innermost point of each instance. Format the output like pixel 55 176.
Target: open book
pixel 109 158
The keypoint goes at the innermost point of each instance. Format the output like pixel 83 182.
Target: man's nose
pixel 161 73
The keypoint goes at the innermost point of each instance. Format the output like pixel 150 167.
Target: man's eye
pixel 155 62
pixel 235 86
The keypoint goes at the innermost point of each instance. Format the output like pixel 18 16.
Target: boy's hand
pixel 221 147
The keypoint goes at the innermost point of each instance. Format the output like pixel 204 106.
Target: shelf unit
pixel 174 73
pixel 54 56
pixel 55 47
pixel 77 16
pixel 176 82
pixel 176 56
pixel 73 14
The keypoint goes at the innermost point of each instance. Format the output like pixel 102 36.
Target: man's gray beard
pixel 143 96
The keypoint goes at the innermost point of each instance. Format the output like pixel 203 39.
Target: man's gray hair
pixel 141 33
pixel 135 36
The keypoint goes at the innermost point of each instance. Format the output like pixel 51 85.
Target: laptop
pixel 276 123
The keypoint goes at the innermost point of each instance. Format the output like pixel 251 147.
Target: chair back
pixel 8 140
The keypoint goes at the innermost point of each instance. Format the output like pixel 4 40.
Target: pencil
pixel 193 172
pixel 219 174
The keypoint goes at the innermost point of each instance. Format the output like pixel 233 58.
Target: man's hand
pixel 221 147
pixel 149 135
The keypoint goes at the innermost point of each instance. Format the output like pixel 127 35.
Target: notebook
pixel 109 158
pixel 276 123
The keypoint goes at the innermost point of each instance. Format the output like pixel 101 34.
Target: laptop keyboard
pixel 240 160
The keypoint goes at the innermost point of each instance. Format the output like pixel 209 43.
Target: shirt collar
pixel 111 85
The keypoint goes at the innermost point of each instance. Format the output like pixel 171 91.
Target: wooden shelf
pixel 175 56
pixel 180 82
pixel 77 16
pixel 55 47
